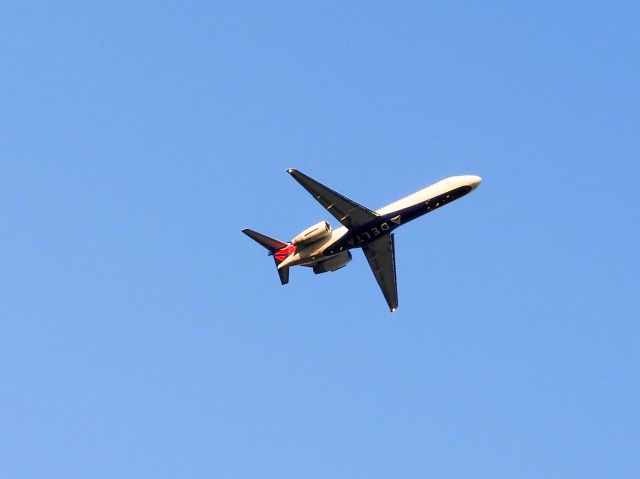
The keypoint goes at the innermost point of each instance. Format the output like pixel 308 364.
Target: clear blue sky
pixel 142 335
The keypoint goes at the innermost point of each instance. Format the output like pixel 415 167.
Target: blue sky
pixel 142 335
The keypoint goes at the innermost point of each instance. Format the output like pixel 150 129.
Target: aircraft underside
pixel 327 250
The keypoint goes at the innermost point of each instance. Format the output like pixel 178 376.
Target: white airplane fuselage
pixel 389 218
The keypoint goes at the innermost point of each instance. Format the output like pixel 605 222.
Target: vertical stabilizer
pixel 278 249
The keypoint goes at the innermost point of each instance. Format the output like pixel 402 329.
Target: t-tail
pixel 278 249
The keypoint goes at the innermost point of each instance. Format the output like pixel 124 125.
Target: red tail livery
pixel 284 253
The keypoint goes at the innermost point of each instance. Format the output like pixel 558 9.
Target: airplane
pixel 325 249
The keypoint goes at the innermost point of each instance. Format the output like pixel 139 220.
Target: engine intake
pixel 313 233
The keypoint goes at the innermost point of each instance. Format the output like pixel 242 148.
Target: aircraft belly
pixel 364 235
pixel 326 250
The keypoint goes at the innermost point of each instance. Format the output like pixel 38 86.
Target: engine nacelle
pixel 336 262
pixel 313 233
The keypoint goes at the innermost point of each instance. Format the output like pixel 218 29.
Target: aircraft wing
pixel 382 259
pixel 346 211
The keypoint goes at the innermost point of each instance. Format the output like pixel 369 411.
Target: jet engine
pixel 313 233
pixel 334 263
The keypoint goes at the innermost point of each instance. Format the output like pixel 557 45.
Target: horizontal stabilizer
pixel 271 244
pixel 279 250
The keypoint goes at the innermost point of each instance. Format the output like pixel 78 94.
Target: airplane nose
pixel 474 181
